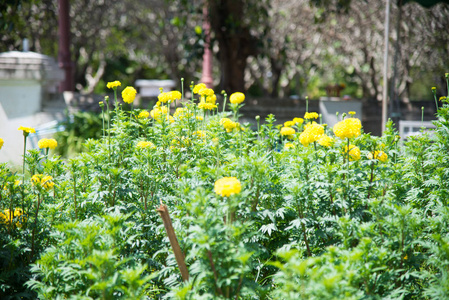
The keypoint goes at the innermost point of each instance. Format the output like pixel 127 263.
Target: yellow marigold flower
pixel 315 128
pixel 354 152
pixel 52 143
pixel 47 182
pixel 325 141
pixel 129 94
pixel 182 142
pixel 4 216
pixel 351 113
pixel 298 120
pixel 18 212
pixel 206 92
pixel 228 124
pixel 27 130
pixel 348 128
pixel 434 89
pixel 199 118
pixel 1 143
pixel 7 216
pixel 143 114
pixel 158 112
pixel 47 143
pixel 36 179
pixel 211 99
pixel 200 133
pixel 42 143
pixel 180 111
pixel 227 186
pixel 224 120
pixel 164 97
pixel 206 106
pixel 289 146
pixel 289 124
pixel 113 84
pixel 379 155
pixel 237 98
pixel 198 87
pixel 144 144
pixel 175 95
pixel 287 131
pixel 443 98
pixel 312 133
pixel 305 138
pixel 311 115
pixel 16 183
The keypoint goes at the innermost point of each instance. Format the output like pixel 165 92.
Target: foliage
pixel 256 214
pixel 87 262
pixel 78 127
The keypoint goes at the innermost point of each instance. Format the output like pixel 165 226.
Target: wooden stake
pixel 163 212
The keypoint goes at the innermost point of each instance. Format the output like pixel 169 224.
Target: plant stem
pixel 422 115
pixel 347 165
pixel 102 116
pixel 370 181
pixel 436 102
pixel 214 271
pixel 239 287
pixel 109 130
pixel 447 85
pixel 24 153
pixel 256 200
pixel 74 192
pixel 148 178
pixel 182 91
pixel 224 101
pixel 330 191
pixel 309 253
pixel 33 233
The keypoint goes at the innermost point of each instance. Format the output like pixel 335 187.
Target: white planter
pixel 26 78
pixel 329 106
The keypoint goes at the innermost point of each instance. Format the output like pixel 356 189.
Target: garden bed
pixel 196 205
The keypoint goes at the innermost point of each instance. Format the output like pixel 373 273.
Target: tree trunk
pixel 235 42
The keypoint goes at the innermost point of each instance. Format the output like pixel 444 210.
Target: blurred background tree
pixel 273 48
